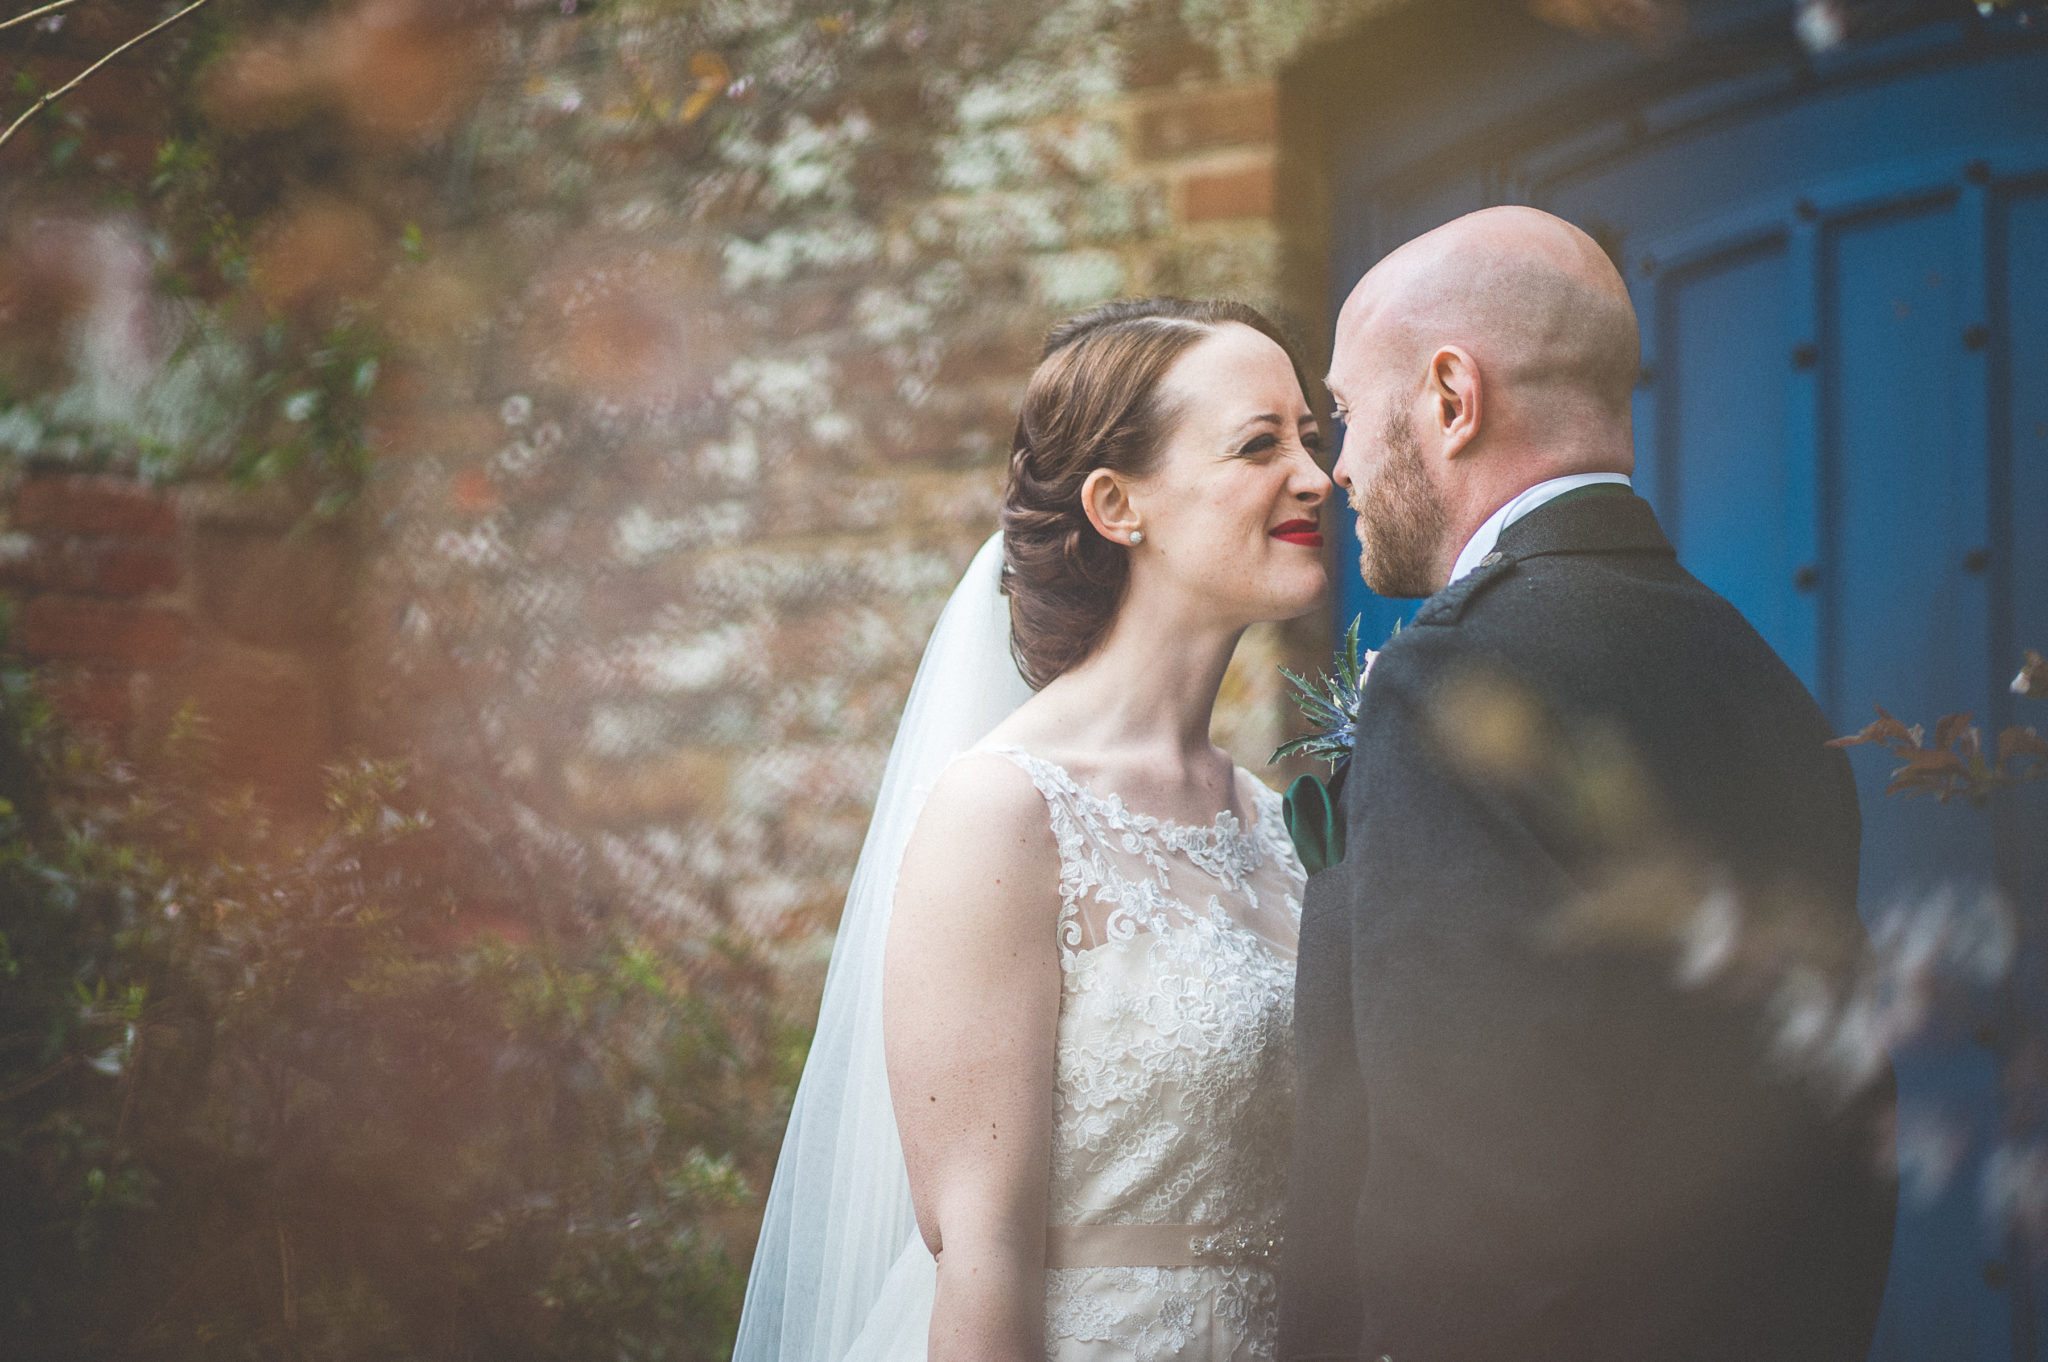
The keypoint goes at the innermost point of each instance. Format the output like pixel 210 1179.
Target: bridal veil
pixel 839 1214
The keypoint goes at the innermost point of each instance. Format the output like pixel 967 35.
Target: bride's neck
pixel 1151 685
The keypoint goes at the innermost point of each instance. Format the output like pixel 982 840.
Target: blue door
pixel 1841 267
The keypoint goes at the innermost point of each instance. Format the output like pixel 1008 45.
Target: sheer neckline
pixel 1226 829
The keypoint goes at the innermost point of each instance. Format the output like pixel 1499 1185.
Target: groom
pixel 1513 1145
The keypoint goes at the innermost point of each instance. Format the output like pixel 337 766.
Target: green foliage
pixel 259 388
pixel 362 1090
pixel 316 393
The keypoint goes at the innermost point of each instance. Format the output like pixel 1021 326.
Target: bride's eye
pixel 1260 444
pixel 1312 441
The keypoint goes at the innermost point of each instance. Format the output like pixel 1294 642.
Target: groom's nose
pixel 1340 471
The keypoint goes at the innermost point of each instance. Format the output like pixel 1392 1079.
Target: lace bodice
pixel 1174 1065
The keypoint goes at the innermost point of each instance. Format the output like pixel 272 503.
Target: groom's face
pixel 1402 518
pixel 1385 467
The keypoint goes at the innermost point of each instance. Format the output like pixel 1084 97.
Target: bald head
pixel 1533 299
pixel 1492 354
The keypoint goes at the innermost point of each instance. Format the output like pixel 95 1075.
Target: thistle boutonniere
pixel 1331 704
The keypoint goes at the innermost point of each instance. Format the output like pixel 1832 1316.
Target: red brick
pixel 88 697
pixel 92 567
pixel 1218 196
pixel 266 588
pixel 79 504
pixel 133 569
pixel 1200 121
pixel 101 631
pixel 270 716
pixel 1156 55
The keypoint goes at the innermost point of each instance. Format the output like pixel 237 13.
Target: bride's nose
pixel 1309 484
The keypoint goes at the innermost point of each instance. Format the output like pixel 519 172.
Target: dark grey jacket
pixel 1511 1149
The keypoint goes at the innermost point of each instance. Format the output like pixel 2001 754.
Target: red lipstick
pixel 1303 532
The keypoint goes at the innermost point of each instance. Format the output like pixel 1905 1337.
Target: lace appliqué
pixel 1099 838
pixel 1157 1314
pixel 1174 1068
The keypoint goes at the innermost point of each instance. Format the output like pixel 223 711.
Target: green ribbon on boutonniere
pixel 1313 823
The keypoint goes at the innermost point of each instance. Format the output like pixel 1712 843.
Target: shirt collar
pixel 1487 535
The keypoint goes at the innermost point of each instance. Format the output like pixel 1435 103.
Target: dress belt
pixel 1157 1246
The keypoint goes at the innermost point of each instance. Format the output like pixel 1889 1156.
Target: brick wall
pixel 139 605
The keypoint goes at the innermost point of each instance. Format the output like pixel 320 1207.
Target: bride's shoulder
pixel 990 782
pixel 982 850
pixel 982 803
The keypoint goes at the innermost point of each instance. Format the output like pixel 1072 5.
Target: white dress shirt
pixel 1487 535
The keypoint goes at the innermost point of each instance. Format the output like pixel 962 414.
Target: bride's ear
pixel 1106 501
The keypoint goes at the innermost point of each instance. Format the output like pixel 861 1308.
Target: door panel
pixel 1941 105
pixel 1721 473
pixel 2020 483
pixel 2019 286
pixel 1908 621
pixel 1908 625
pixel 1841 268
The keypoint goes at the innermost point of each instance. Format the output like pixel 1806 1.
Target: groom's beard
pixel 1401 516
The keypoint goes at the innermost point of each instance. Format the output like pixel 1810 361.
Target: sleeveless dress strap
pixel 1076 833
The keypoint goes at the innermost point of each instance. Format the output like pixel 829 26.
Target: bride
pixel 1046 1111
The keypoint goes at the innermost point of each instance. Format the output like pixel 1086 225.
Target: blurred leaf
pixel 1885 729
pixel 2033 678
pixel 713 76
pixel 698 104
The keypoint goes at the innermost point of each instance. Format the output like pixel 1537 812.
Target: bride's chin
pixel 1297 600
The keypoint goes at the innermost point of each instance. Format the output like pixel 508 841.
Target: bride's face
pixel 1233 510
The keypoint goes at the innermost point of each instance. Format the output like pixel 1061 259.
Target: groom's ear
pixel 1454 391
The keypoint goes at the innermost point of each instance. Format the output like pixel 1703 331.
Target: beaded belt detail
pixel 1159 1245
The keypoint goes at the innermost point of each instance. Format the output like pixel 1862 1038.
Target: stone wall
pixel 690 580
pixel 705 347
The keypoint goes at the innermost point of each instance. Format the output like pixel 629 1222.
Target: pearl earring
pixel 1137 538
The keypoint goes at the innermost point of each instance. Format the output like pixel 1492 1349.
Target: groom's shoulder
pixel 1555 612
pixel 1449 607
pixel 1442 631
pixel 1507 595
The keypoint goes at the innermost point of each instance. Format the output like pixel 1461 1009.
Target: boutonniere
pixel 1331 704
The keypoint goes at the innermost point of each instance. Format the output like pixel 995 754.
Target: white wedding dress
pixel 1174 1086
pixel 1174 1063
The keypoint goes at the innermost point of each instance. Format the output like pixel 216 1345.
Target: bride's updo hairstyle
pixel 1093 402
